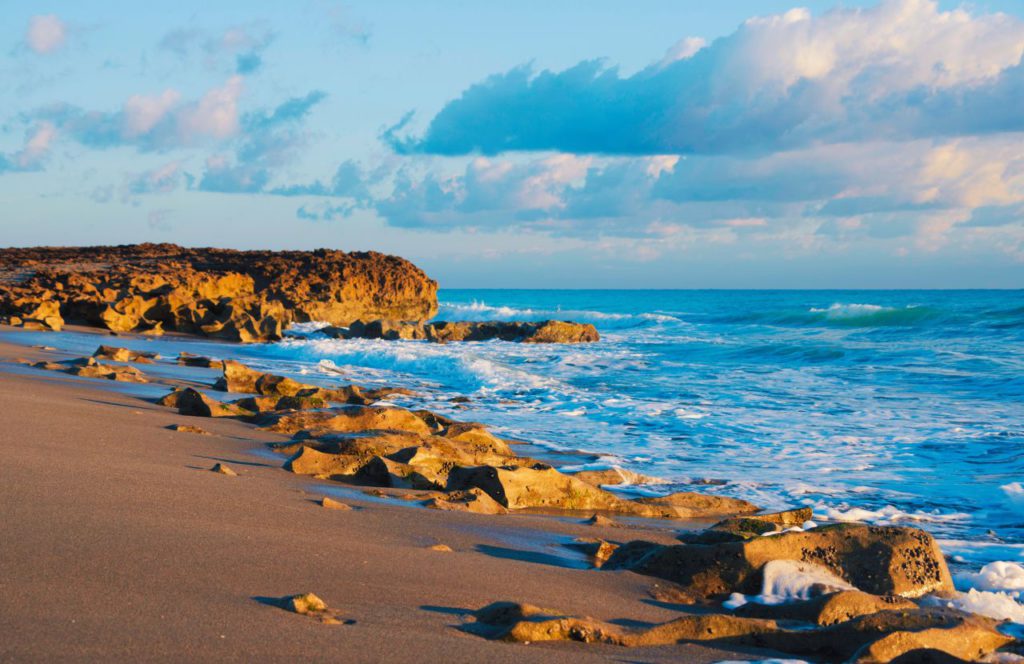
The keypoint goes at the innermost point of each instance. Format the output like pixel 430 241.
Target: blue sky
pixel 534 144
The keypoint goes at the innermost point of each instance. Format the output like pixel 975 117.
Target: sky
pixel 649 144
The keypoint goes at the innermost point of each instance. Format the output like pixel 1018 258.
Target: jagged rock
pixel 350 419
pixel 524 623
pixel 124 355
pixel 242 296
pixel 879 637
pixel 750 526
pixel 88 367
pixel 471 500
pixel 188 428
pixel 829 609
pixel 879 560
pixel 192 402
pixel 332 504
pixel 385 329
pixel 308 461
pixel 271 404
pixel 224 469
pixel 237 377
pixel 550 331
pixel 685 505
pixel 190 360
pixel 615 476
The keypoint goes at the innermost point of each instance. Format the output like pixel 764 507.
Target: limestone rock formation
pixel 88 367
pixel 193 402
pixel 879 560
pixel 548 331
pixel 237 377
pixel 238 295
pixel 115 354
pixel 885 636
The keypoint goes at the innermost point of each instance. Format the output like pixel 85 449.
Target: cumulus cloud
pixel 154 122
pixel 36 149
pixel 46 34
pixel 902 69
pixel 923 191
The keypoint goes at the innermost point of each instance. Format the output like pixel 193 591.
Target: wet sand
pixel 117 542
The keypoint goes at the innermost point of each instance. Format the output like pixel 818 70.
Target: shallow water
pixel 886 407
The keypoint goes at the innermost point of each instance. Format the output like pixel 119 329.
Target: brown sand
pixel 117 542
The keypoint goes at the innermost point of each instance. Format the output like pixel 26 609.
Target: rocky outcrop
pixel 548 331
pixel 918 635
pixel 879 560
pixel 193 402
pixel 291 394
pixel 88 367
pixel 115 354
pixel 238 295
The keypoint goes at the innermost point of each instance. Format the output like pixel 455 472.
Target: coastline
pixel 119 542
pixel 147 519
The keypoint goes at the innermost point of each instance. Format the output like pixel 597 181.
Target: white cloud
pixel 46 33
pixel 900 70
pixel 215 115
pixel 142 113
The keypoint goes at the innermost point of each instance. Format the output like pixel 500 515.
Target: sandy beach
pixel 119 543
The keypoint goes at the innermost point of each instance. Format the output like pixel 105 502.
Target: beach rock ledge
pixel 236 295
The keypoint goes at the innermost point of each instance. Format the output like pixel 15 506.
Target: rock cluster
pixel 238 295
pixel 890 634
pixel 88 367
pixel 548 331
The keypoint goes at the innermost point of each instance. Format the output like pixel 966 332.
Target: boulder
pixel 224 469
pixel 192 402
pixel 615 476
pixel 687 505
pixel 308 461
pixel 471 500
pixel 332 504
pixel 350 419
pixel 750 526
pixel 190 360
pixel 549 331
pixel 878 560
pixel 115 354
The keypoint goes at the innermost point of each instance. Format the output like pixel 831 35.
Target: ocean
pixel 888 407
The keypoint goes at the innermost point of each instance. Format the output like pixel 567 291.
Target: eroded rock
pixel 880 560
pixel 241 296
pixel 115 354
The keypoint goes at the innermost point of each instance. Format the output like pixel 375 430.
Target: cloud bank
pixel 900 70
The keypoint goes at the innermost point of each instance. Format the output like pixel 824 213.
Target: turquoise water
pixel 886 407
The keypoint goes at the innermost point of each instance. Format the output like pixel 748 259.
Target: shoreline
pixel 534 556
pixel 121 543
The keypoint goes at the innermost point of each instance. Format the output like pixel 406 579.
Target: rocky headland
pixel 236 295
pixel 246 296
